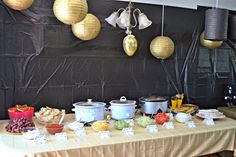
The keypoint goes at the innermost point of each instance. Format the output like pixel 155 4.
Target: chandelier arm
pixel 135 19
pixel 121 9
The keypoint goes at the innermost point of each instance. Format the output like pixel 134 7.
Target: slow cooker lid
pixel 154 98
pixel 89 103
pixel 123 101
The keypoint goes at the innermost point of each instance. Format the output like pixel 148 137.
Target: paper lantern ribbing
pixel 18 4
pixel 87 29
pixel 209 43
pixel 70 11
pixel 232 28
pixel 216 24
pixel 130 45
pixel 162 47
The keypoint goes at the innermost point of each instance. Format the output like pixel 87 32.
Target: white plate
pixel 216 116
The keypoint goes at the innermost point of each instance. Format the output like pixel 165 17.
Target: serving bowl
pixel 20 112
pixel 54 128
pixel 47 115
pixel 182 117
pixel 75 125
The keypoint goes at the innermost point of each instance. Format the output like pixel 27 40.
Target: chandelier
pixel 124 21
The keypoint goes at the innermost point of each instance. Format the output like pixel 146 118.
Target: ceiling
pixel 191 4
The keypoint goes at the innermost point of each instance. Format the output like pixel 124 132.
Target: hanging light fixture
pixel 87 29
pixel 70 11
pixel 123 20
pixel 162 47
pixel 209 43
pixel 19 4
pixel 232 28
pixel 216 23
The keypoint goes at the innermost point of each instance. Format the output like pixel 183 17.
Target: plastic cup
pixel 174 102
pixel 179 102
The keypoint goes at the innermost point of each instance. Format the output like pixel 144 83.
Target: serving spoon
pixel 62 117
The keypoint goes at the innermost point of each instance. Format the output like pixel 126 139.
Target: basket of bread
pixel 186 108
pixel 48 115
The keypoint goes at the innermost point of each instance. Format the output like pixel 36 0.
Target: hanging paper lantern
pixel 162 47
pixel 70 11
pixel 18 4
pixel 209 43
pixel 87 29
pixel 216 24
pixel 130 44
pixel 232 28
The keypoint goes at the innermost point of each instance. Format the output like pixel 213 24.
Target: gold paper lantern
pixel 70 11
pixel 209 43
pixel 130 45
pixel 87 29
pixel 18 4
pixel 162 47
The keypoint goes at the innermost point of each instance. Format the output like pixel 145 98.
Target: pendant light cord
pixel 162 18
pixel 217 3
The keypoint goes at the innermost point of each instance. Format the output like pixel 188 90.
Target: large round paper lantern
pixel 18 4
pixel 162 47
pixel 70 11
pixel 232 28
pixel 130 44
pixel 216 24
pixel 209 43
pixel 87 29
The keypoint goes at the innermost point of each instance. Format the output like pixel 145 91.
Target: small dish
pixel 30 133
pixel 182 117
pixel 75 125
pixel 100 125
pixel 54 128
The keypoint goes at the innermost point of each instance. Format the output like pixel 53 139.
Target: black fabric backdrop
pixel 42 63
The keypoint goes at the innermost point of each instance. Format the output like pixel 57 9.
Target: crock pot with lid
pixel 153 104
pixel 89 111
pixel 122 109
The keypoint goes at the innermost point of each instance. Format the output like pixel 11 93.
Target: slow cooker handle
pixel 123 99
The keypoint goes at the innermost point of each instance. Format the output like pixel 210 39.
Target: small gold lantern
pixel 87 29
pixel 130 44
pixel 162 47
pixel 70 11
pixel 18 4
pixel 209 43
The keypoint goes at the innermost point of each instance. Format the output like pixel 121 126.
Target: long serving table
pixel 178 142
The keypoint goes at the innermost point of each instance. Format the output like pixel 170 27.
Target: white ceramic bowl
pixel 183 117
pixel 75 125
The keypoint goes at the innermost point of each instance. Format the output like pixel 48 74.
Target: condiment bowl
pixel 54 128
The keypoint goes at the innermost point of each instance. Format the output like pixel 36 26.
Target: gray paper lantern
pixel 216 24
pixel 232 28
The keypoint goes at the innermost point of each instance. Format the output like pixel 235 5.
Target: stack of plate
pixel 210 113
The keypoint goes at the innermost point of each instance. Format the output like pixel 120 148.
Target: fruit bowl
pixel 19 111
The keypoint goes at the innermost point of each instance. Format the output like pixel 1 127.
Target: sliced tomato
pixel 25 108
pixel 12 109
pixel 20 109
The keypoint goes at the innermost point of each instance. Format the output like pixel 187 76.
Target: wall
pixel 42 63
